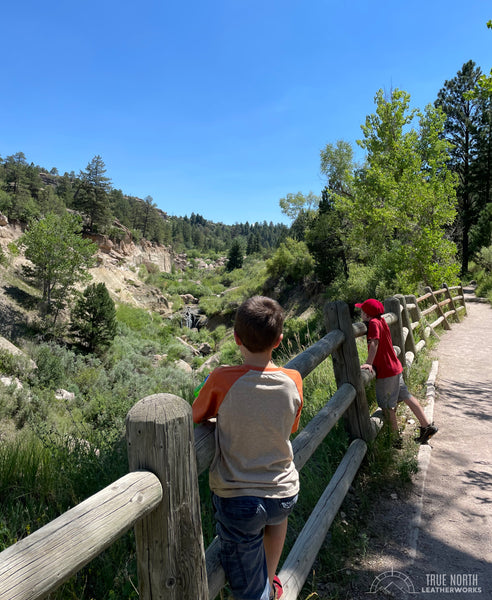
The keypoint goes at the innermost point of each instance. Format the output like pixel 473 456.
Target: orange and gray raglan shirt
pixel 256 410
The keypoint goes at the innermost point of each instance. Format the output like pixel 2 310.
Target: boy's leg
pixel 273 540
pixel 387 390
pixel 427 429
pixel 390 416
pixel 417 410
pixel 240 526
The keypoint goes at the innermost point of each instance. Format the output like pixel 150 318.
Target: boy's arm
pixel 206 404
pixel 372 348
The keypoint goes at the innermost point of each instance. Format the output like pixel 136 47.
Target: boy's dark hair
pixel 259 322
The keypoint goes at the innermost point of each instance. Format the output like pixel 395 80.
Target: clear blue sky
pixel 218 107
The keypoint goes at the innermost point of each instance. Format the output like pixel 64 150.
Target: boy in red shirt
pixel 381 359
pixel 253 476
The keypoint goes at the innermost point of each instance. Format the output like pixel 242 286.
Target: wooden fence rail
pixel 160 496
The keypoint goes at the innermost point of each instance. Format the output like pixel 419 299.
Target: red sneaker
pixel 278 590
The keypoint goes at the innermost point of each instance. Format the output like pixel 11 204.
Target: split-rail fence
pixel 159 497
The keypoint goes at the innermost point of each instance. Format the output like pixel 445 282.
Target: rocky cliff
pixel 117 265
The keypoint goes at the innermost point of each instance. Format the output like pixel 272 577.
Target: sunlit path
pixel 455 533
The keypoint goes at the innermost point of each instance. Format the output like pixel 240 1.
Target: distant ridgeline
pixel 29 191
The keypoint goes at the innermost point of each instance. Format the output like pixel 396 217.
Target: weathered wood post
pixel 427 330
pixel 170 553
pixel 406 322
pixel 429 290
pixel 451 301
pixel 346 366
pixel 462 292
pixel 392 305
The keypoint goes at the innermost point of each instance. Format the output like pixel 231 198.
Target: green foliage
pixel 468 127
pixel 139 320
pixel 54 365
pixel 299 333
pixel 337 166
pixel 292 261
pixel 325 239
pixel 481 271
pixel 44 473
pixel 294 204
pixel 362 282
pixel 484 259
pixel 13 249
pixel 230 354
pixel 94 317
pixel 404 196
pixel 60 256
pixel 235 257
pixel 16 365
pixel 92 195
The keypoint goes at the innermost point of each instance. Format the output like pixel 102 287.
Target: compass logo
pixel 392 581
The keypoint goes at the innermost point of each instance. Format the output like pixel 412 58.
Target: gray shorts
pixel 391 390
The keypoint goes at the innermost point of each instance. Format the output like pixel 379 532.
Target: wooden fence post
pixel 462 292
pixel 170 553
pixel 406 322
pixel 346 366
pixel 451 301
pixel 439 309
pixel 392 305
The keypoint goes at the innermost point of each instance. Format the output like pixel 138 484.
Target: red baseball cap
pixel 371 307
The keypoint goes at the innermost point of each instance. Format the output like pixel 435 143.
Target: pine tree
pixel 94 317
pixel 92 195
pixel 461 128
pixel 235 256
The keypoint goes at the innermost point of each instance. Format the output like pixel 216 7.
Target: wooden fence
pixel 160 498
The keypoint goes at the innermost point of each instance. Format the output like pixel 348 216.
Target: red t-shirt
pixel 386 363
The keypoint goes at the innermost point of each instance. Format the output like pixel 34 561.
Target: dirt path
pixel 441 534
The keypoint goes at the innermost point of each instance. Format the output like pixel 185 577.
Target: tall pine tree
pixel 462 129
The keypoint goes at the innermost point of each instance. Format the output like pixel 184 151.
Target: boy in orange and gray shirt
pixel 252 476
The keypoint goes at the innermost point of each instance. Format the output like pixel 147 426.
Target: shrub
pixel 16 365
pixel 484 259
pixel 230 354
pixel 292 261
pixel 55 364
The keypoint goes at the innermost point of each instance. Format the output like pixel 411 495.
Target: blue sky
pixel 218 107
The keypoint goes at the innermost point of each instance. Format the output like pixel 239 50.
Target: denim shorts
pixel 390 391
pixel 241 523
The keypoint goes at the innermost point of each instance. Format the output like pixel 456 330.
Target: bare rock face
pixel 118 264
pixel 210 363
pixel 184 366
pixel 14 350
pixel 189 299
pixel 8 381
pixel 62 394
pixel 205 349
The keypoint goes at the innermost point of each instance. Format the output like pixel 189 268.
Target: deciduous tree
pixel 404 196
pixel 60 256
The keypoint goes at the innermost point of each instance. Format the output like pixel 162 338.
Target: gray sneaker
pixel 426 433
